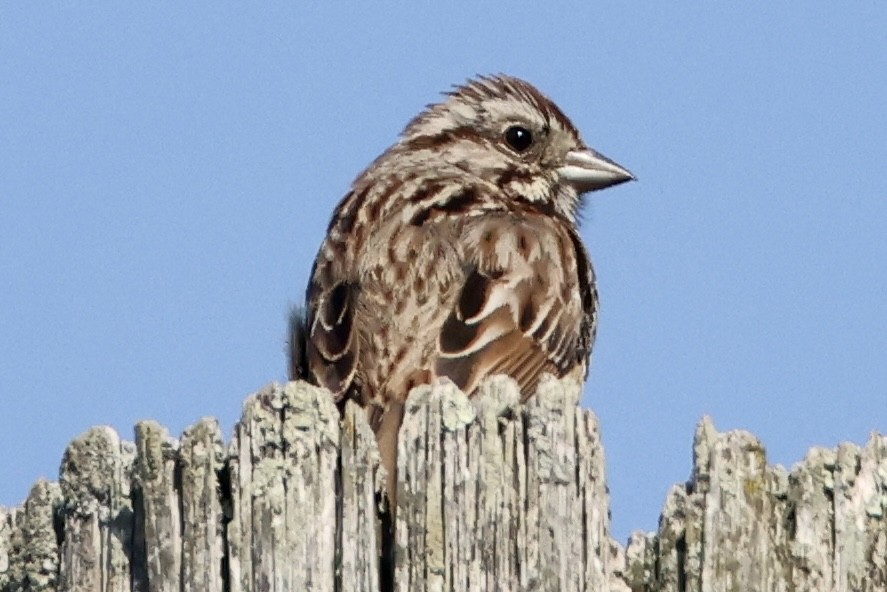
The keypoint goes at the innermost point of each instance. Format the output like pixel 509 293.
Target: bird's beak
pixel 587 170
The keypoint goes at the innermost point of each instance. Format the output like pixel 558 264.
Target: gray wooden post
pixel 492 495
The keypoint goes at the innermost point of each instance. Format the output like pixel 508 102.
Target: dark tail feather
pixel 296 346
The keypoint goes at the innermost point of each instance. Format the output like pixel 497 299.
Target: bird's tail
pixel 296 344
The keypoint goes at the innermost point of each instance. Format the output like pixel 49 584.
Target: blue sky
pixel 167 173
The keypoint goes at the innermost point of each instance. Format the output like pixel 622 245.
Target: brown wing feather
pixel 331 346
pixel 521 310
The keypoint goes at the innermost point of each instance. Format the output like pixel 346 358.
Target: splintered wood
pixel 492 494
pixel 496 496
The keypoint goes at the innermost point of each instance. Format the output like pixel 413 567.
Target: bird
pixel 456 254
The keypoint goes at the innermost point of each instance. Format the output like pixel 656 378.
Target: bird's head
pixel 503 130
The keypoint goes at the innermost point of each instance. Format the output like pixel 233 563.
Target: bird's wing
pixel 527 305
pixel 331 346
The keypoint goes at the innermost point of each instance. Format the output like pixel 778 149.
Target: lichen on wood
pixel 742 524
pixel 493 494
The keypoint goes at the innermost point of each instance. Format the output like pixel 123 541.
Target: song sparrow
pixel 456 254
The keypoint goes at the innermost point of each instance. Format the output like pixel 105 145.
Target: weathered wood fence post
pixel 492 495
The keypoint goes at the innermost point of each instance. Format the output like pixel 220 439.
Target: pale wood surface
pixel 741 524
pixel 492 495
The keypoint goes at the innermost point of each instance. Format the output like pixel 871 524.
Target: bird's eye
pixel 518 137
